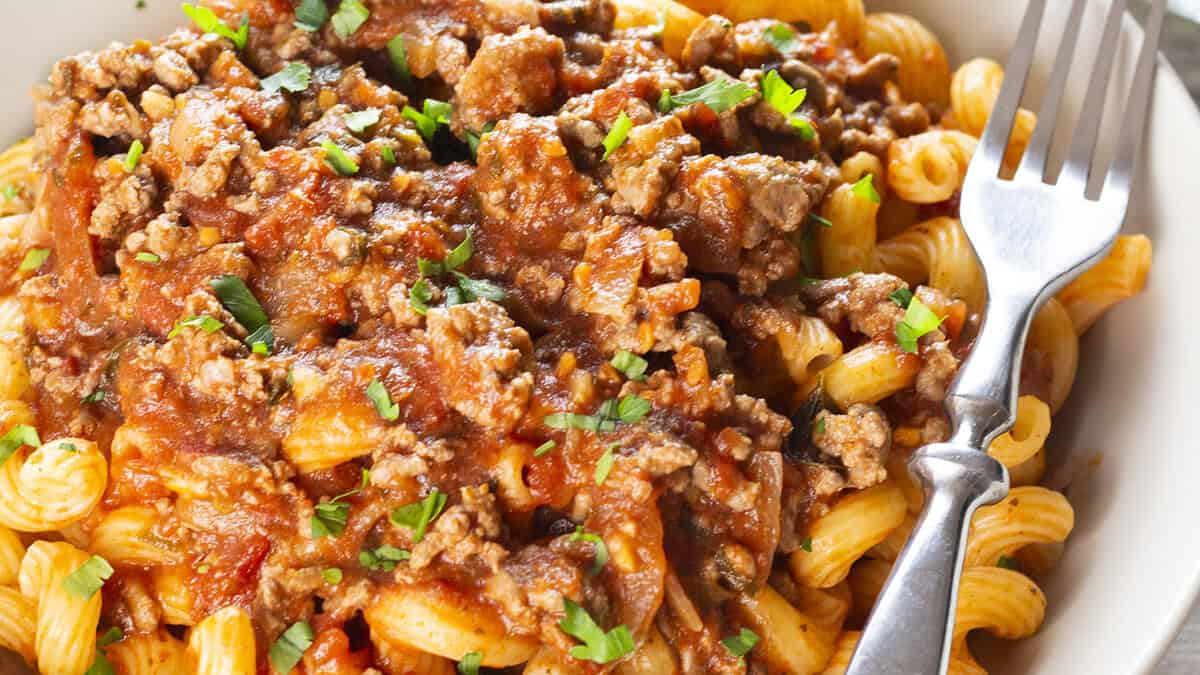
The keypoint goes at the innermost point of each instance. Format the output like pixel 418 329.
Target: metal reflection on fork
pixel 1032 234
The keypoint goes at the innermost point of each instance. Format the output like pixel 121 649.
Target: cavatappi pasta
pixel 332 345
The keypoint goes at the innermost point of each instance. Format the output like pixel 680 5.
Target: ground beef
pixel 861 300
pixel 509 74
pixel 861 439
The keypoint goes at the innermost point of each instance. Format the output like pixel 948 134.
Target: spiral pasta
pixel 973 92
pixel 841 536
pixel 1121 275
pixel 847 245
pixel 66 618
pixel 1053 341
pixel 222 644
pixel 818 14
pixel 18 623
pixel 53 486
pixel 151 654
pixel 937 253
pixel 869 374
pixel 929 168
pixel 1027 436
pixel 790 640
pixel 124 535
pixel 1028 515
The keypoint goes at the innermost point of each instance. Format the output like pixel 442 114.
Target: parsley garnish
pixel 473 138
pixel 399 57
pixel 433 113
pixel 388 154
pixel 382 400
pixel 383 558
pixel 85 581
pixel 132 157
pixel 816 218
pixel 865 189
pixel 110 636
pixel 290 646
pixel 469 665
pixel 147 257
pixel 101 664
pixel 902 297
pixel 741 644
pixel 475 289
pixel 1008 563
pixel 360 121
pixel 601 556
pixel 203 322
pixel 604 464
pixel 719 95
pixel 34 259
pixel 629 364
pixel 10 192
pixel 617 134
pixel 630 409
pixel 544 448
pixel 806 544
pixel 819 427
pixel 329 518
pixel 782 38
pixel 311 15
pixel 295 77
pixel 350 15
pixel 419 296
pixel 69 447
pixel 918 321
pixel 332 575
pixel 207 21
pixel 468 289
pixel 21 434
pixel 418 515
pixel 598 646
pixel 338 160
pixel 783 98
pixel 236 297
pixel 456 258
pixel 94 397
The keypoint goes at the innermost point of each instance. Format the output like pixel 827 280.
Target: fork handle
pixel 910 630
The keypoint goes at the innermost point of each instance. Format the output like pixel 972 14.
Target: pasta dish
pixel 575 336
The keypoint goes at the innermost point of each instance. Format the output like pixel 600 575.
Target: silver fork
pixel 1032 234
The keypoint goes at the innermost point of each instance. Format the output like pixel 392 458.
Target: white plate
pixel 1132 565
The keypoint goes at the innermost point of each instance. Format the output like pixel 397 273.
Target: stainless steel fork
pixel 1032 234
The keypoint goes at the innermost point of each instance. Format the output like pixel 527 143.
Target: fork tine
pixel 1008 101
pixel 1120 177
pixel 1038 151
pixel 1078 168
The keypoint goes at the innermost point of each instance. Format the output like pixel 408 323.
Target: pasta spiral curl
pixel 1028 515
pixel 222 644
pixel 1121 275
pixel 125 536
pixel 1005 603
pixel 936 253
pixel 930 167
pixel 18 623
pixel 973 92
pixel 849 14
pixel 961 662
pixel 56 485
pixel 65 639
pixel 924 69
pixel 855 523
pixel 154 654
pixel 1053 340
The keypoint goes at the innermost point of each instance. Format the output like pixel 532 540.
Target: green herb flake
pixel 604 465
pixel 329 519
pixel 782 38
pixel 432 114
pixel 902 297
pixel 780 95
pixel 140 4
pixel 545 448
pixel 236 297
pixel 382 400
pixel 338 160
pixel 69 447
pixel 719 95
pixel 388 155
pixel 383 558
pixel 470 663
pixel 85 581
pixel 460 254
pixel 10 192
pixel 918 321
pixel 865 189
pixel 819 427
pixel 474 289
pixel 473 139
pixel 147 257
pixel 600 558
pixel 311 15
pixel 816 218
pixel 399 56
pixel 95 397
pixel 21 434
pixel 1008 563
pixel 617 134
pixel 598 646
pixel 294 77
pixel 417 515
pixel 332 575
pixel 203 322
pixel 290 646
pixel 203 568
pixel 630 365
pixel 110 636
pixel 632 409
pixel 419 296
pixel 349 17
pixel 34 259
pixel 208 21
pixel 132 157
pixel 100 666
pixel 806 544
pixel 739 645
pixel 360 121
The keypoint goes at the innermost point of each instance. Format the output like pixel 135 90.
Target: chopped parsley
pixel 399 56
pixel 474 289
pixel 69 447
pixel 630 365
pixel 140 4
pixel 94 397
pixel 419 296
pixel 101 664
pixel 819 427
pixel 360 121
pixel 338 160
pixel 902 297
pixel 617 134
pixel 433 113
pixel 383 558
pixel 388 154
pixel 290 646
pixel 110 636
pixel 601 556
pixel 311 15
pixel 203 322
pixel 382 400
pixel 417 515
pixel 349 17
pixel 739 645
pixel 147 257
pixel 604 464
pixel 456 258
pixel 806 544
pixel 719 95
pixel 469 665
pixel 236 297
pixel 34 259
pixel 1008 563
pixel 91 575
pixel 329 518
pixel 918 321
pixel 598 646
pixel 332 575
pixel 294 77
pixel 207 21
pixel 630 410
pixel 466 289
pixel 10 192
pixel 865 189
pixel 816 218
pixel 782 38
pixel 473 138
pixel 784 99
pixel 545 448
pixel 132 157
pixel 21 434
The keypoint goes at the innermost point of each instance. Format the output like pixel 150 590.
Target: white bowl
pixel 1132 566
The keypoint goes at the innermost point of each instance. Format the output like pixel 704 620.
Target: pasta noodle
pixel 678 20
pixel 929 168
pixel 924 69
pixel 790 641
pixel 15 172
pixel 154 654
pixel 11 553
pixel 125 536
pixel 65 639
pixel 818 14
pixel 1054 346
pixel 868 374
pixel 1118 277
pixel 222 644
pixel 938 253
pixel 1027 515
pixel 841 536
pixel 973 92
pixel 52 487
pixel 18 623
pixel 848 244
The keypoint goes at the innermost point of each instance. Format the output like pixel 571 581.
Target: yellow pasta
pixel 222 644
pixel 789 639
pixel 856 522
pixel 960 662
pixel 65 640
pixel 807 344
pixel 18 623
pixel 929 168
pixel 1121 275
pixel 11 552
pixel 866 580
pixel 154 654
pixel 174 596
pixel 848 244
pixel 973 92
pixel 1005 603
pixel 414 661
pixel 889 549
pixel 818 14
pixel 14 375
pixel 678 20
pixel 936 253
pixel 1052 340
pixel 1027 515
pixel 1029 472
pixel 1027 436
pixel 1037 560
pixel 548 661
pixel 17 178
pixel 924 69
pixel 52 487
pixel 653 657
pixel 324 436
pixel 125 536
pixel 869 374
